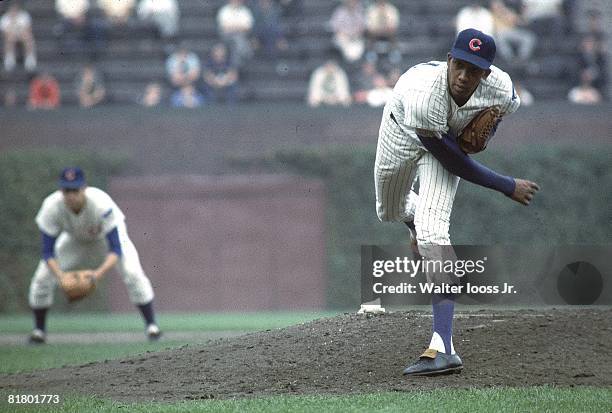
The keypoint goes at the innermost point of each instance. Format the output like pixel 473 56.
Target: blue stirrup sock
pixel 443 310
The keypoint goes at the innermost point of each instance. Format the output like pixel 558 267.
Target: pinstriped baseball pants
pixel 400 161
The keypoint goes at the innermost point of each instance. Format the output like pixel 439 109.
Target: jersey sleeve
pixel 48 219
pixel 514 102
pixel 502 88
pixel 109 220
pixel 108 212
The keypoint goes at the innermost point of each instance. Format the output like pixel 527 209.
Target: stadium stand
pixel 134 58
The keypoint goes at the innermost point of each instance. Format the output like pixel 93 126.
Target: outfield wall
pixel 198 141
pixel 232 243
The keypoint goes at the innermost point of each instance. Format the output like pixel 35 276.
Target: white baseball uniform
pixel 81 243
pixel 421 100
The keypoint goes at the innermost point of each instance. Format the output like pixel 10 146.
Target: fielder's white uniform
pixel 422 100
pixel 81 243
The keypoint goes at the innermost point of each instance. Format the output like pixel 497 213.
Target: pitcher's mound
pixel 353 354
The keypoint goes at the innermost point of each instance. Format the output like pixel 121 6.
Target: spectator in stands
pixel 152 95
pixel 476 16
pixel 509 34
pixel 592 57
pixel 81 27
pixel 16 27
pixel 348 24
pixel 74 12
pixel 183 67
pixel 329 85
pixel 44 92
pixel 544 16
pixel 164 14
pixel 380 93
pixel 268 27
pixel 382 21
pixel 235 23
pixel 187 97
pixel 364 82
pixel 90 87
pixel 585 93
pixel 118 12
pixel 220 76
pixel 372 87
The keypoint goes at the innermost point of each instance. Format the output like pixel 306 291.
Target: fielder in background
pixel 80 225
pixel 431 105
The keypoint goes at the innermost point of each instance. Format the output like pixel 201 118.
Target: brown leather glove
pixel 476 135
pixel 78 284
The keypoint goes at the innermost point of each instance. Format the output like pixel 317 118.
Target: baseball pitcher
pixel 439 112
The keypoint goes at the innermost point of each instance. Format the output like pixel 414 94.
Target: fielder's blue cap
pixel 475 47
pixel 72 178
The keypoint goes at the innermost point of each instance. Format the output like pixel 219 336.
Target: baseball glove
pixel 476 135
pixel 78 284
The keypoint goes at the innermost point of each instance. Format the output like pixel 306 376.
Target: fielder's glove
pixel 78 284
pixel 476 135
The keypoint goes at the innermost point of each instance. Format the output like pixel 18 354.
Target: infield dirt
pixel 352 354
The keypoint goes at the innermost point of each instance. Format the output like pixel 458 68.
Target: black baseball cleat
pixel 433 363
pixel 37 336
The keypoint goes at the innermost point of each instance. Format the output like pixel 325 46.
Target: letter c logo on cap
pixel 475 44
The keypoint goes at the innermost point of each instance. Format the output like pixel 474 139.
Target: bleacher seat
pixel 133 58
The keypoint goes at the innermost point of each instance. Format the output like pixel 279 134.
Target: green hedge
pixel 27 177
pixel 573 206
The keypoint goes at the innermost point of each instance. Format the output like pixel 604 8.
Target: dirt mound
pixel 352 354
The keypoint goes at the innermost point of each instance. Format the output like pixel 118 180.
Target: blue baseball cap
pixel 475 47
pixel 72 178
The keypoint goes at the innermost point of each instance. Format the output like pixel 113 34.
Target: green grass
pixel 14 359
pixel 22 358
pixel 102 322
pixel 535 399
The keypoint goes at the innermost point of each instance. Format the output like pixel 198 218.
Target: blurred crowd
pixel 362 68
pixel 85 26
pixel 367 34
pixel 516 26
